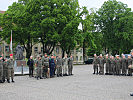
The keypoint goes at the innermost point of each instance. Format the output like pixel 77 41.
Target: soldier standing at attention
pixel 39 67
pixel 129 62
pixel 123 63
pixel 107 64
pixel 5 70
pixel 70 65
pixel 118 65
pixel 1 69
pixel 65 66
pixel 112 64
pixel 59 66
pixel 10 64
pixel 101 65
pixel 95 64
pixel 45 66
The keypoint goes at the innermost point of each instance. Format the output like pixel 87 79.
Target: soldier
pixel 1 69
pixel 70 65
pixel 129 63
pixel 95 64
pixel 10 64
pixel 101 64
pixel 52 66
pixel 110 67
pixel 59 66
pixel 118 65
pixel 5 70
pixel 123 63
pixel 39 67
pixel 45 66
pixel 112 64
pixel 65 66
pixel 107 64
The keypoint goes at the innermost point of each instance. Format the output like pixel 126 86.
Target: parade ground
pixel 83 85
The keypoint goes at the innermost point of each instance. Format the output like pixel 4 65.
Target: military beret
pixel 11 54
pixel 0 56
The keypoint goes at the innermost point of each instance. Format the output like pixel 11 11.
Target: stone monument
pixel 20 63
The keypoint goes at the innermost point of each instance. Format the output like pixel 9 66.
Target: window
pixel 80 50
pixel 57 50
pixel 76 58
pixel 72 51
pixel 36 49
pixel 7 48
pixel 81 58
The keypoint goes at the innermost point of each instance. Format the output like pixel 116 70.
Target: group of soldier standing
pixel 6 69
pixel 49 66
pixel 113 65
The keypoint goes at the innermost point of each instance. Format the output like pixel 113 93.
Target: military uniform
pixel 45 61
pixel 70 66
pixel 101 65
pixel 5 70
pixel 107 65
pixel 118 66
pixel 65 66
pixel 95 65
pixel 112 65
pixel 59 67
pixel 129 62
pixel 39 68
pixel 1 71
pixel 10 69
pixel 124 64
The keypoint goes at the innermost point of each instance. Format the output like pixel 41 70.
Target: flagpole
pixel 11 43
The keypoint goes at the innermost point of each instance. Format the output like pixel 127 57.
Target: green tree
pixel 107 21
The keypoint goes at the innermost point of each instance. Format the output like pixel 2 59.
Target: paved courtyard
pixel 83 85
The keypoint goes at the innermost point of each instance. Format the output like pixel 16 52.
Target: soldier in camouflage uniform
pixel 59 66
pixel 124 64
pixel 112 64
pixel 129 62
pixel 45 63
pixel 65 65
pixel 107 64
pixel 10 64
pixel 39 67
pixel 95 64
pixel 1 69
pixel 70 65
pixel 5 70
pixel 118 65
pixel 101 64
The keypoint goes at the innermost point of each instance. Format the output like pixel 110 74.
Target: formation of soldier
pixel 113 65
pixel 6 69
pixel 50 66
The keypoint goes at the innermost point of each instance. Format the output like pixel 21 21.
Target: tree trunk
pixel 84 50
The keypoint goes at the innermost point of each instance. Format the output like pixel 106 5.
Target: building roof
pixel 2 11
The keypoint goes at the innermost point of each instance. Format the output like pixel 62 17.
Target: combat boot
pixel 13 81
pixel 8 80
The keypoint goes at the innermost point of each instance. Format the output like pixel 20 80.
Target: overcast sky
pixel 88 3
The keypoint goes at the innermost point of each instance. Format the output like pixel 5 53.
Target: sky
pixel 88 3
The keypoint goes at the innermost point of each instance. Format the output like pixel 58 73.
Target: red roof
pixel 2 12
